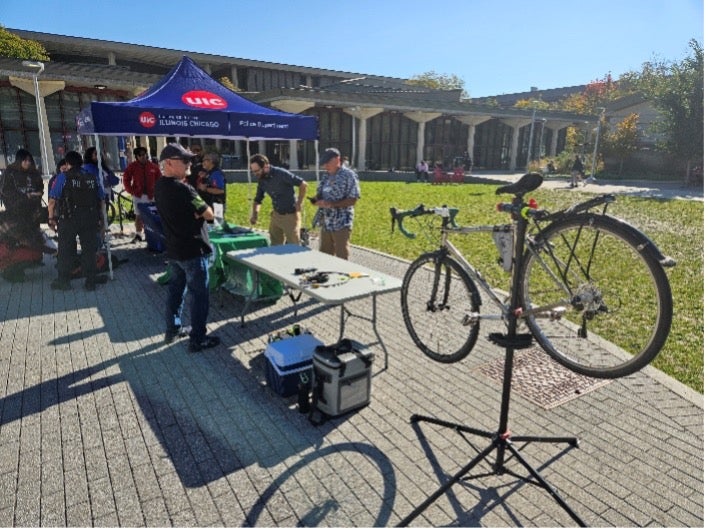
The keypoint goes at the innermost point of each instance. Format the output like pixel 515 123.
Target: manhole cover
pixel 542 380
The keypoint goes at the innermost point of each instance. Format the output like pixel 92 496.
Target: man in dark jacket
pixel 81 197
pixel 182 214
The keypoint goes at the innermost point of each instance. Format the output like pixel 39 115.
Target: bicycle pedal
pixel 518 342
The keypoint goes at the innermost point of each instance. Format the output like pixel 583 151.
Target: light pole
pixel 597 143
pixel 533 121
pixel 40 121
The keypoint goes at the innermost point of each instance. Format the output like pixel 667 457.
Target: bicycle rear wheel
pixel 437 299
pixel 590 289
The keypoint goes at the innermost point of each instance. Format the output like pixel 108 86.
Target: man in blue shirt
pixel 212 187
pixel 278 183
pixel 337 194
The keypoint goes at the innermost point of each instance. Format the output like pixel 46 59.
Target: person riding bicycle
pixel 139 181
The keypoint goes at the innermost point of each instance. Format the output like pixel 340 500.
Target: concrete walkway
pixel 656 189
pixel 104 425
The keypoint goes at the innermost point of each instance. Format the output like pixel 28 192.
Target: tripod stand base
pixel 500 442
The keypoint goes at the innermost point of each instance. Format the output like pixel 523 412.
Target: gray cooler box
pixel 342 377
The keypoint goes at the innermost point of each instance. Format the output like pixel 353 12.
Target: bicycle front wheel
pixel 588 288
pixel 439 300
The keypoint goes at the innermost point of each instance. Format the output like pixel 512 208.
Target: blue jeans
pixel 189 275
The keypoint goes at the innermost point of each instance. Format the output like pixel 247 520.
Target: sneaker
pixel 207 342
pixel 59 284
pixel 180 332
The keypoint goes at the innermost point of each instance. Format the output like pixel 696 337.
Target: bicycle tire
pixel 126 206
pixel 437 299
pixel 601 281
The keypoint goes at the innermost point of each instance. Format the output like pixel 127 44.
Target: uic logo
pixel 203 99
pixel 147 119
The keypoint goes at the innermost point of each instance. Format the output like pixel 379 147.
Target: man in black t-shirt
pixel 182 214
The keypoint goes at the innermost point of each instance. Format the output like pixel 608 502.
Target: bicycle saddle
pixel 526 184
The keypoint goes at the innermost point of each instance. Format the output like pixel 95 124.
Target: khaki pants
pixel 284 228
pixel 335 242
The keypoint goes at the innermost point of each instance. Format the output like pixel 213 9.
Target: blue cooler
pixel 154 236
pixel 287 360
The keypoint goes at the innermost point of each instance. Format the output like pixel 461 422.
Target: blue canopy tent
pixel 188 102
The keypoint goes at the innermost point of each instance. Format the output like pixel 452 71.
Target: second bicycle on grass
pixel 588 282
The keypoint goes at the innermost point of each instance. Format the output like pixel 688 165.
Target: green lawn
pixel 676 226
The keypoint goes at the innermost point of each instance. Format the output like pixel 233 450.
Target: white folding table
pixel 347 281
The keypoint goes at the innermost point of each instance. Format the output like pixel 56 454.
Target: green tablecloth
pixel 234 277
pixel 222 242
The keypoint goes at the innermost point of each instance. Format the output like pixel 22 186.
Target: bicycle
pixel 120 203
pixel 584 276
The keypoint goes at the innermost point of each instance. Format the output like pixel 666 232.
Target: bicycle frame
pixel 447 246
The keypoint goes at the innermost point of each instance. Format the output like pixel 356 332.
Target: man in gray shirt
pixel 278 183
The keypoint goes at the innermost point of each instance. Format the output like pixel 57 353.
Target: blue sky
pixel 495 46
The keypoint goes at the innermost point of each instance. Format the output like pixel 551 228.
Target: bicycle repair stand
pixel 501 439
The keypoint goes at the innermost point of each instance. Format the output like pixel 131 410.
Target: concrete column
pixel 145 142
pixel 46 87
pixel 362 114
pixel 554 142
pixel 421 118
pixel 555 126
pixel 517 124
pixel 472 122
pixel 234 76
pixel 292 160
pixel 160 143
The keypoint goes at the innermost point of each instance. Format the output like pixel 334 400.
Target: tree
pixel 433 80
pixel 13 46
pixel 623 140
pixel 676 90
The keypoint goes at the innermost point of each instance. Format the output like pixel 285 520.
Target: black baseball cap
pixel 328 155
pixel 176 151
